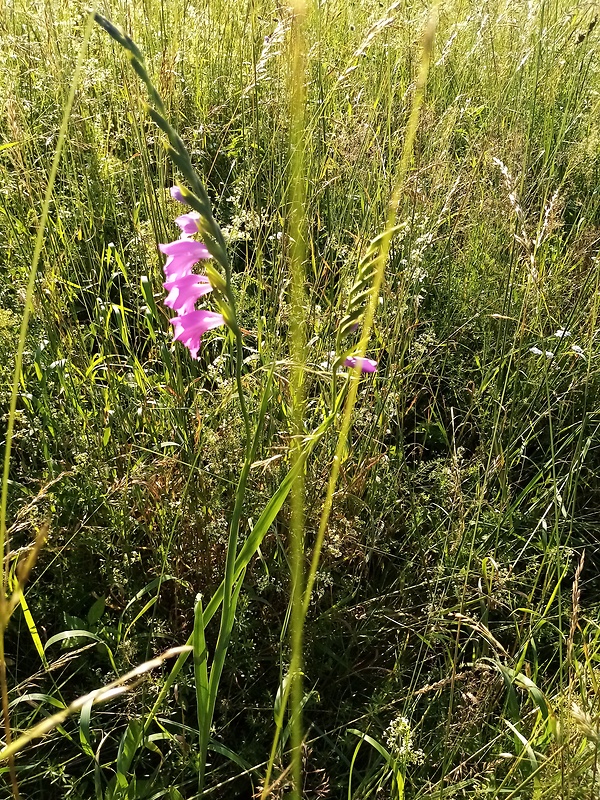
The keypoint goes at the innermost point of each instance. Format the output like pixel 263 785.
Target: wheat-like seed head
pixel 270 50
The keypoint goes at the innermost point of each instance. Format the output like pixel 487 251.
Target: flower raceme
pixel 184 286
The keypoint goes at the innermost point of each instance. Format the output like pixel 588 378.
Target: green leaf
pixel 201 675
pixel 390 761
pixel 85 736
pixel 76 634
pixel 248 550
pixel 96 611
pixel 128 746
pixel 217 747
pixel 37 697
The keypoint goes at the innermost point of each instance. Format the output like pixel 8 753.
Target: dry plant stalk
pixel 271 49
pixel 377 28
pixel 531 244
pixel 7 606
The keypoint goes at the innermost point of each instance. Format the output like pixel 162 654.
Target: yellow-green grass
pixel 443 609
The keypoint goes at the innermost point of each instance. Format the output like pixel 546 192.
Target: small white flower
pixel 578 350
pixel 561 333
pixel 537 352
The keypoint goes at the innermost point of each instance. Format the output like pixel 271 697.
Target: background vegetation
pixel 451 644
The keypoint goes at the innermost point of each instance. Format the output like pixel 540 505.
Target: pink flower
pixel 181 257
pixel 176 194
pixel 190 327
pixel 185 290
pixel 365 364
pixel 188 223
pixel 184 286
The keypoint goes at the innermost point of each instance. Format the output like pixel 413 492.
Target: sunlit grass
pixel 442 601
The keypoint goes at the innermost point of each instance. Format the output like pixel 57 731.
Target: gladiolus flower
pixel 190 327
pixel 184 291
pixel 365 364
pixel 181 257
pixel 184 286
pixel 176 195
pixel 188 223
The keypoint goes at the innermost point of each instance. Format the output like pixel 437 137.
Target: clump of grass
pixel 442 599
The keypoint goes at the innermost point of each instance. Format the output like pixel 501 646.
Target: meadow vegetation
pixel 452 636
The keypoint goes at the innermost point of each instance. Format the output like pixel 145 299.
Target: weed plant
pixel 448 638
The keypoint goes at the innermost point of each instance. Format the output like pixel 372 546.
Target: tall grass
pixel 446 628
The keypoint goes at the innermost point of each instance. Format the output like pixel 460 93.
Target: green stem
pixel 230 591
pixel 351 387
pixel 239 359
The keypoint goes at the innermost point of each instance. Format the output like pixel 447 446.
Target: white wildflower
pixel 537 352
pixel 399 740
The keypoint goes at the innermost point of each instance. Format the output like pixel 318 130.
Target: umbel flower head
pixel 184 286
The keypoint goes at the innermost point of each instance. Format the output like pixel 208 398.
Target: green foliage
pixel 448 606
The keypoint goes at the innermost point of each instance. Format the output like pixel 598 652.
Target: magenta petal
pixel 365 364
pixel 176 195
pixel 181 256
pixel 190 327
pixel 185 291
pixel 188 223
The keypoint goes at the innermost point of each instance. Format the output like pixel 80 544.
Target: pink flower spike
pixel 188 223
pixel 365 364
pixel 176 195
pixel 184 291
pixel 181 257
pixel 190 327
